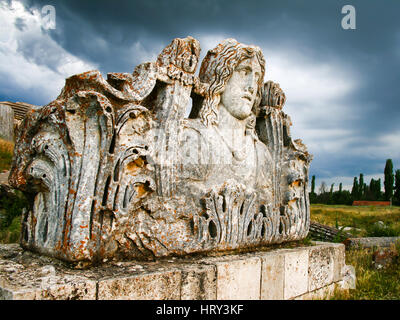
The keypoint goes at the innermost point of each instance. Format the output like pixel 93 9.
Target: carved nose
pixel 250 89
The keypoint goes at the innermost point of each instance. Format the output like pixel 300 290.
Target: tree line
pixel 360 190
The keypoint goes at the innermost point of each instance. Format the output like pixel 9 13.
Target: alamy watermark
pixel 48 17
pixel 349 20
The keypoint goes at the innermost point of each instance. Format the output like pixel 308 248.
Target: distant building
pixel 11 114
pixel 20 108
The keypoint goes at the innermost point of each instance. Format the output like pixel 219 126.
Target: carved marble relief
pixel 114 169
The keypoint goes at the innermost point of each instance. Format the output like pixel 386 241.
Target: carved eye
pixel 241 71
pixel 245 72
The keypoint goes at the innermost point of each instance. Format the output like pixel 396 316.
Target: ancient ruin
pixel 116 169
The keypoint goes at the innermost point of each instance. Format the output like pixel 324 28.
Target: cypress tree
pixel 313 184
pixel 330 199
pixel 378 195
pixel 361 189
pixel 372 190
pixel 354 190
pixel 313 196
pixel 396 196
pixel 389 179
pixel 339 195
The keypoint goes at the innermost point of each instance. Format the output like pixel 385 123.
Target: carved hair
pixel 273 95
pixel 217 68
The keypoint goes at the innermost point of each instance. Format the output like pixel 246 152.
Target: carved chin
pixel 240 113
pixel 241 116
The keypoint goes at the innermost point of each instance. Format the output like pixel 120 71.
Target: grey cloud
pixel 105 33
pixel 20 24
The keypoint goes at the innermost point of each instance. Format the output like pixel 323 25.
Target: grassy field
pixel 6 150
pixel 372 284
pixel 363 220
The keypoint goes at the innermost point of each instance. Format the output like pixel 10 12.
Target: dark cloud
pixel 20 24
pixel 117 35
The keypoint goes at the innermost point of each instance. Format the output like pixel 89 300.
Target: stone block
pixel 272 276
pixel 321 266
pixel 26 276
pixel 339 254
pixel 199 283
pixel 319 294
pixel 53 287
pixel 296 273
pixel 152 286
pixel 239 279
pixel 348 278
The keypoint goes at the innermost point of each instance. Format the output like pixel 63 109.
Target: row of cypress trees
pixel 360 190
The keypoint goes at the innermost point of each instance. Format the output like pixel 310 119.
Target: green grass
pixel 11 233
pixel 363 218
pixel 11 206
pixel 6 151
pixel 371 284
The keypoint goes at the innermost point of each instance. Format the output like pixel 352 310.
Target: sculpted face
pixel 241 89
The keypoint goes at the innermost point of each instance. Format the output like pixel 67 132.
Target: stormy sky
pixel 342 86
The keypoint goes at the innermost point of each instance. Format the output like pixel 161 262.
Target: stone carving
pixel 114 169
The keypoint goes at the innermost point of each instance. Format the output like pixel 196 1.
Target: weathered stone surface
pixel 272 276
pixel 32 279
pixel 239 279
pixel 348 280
pixel 115 170
pixel 323 293
pixel 384 257
pixel 153 286
pixel 296 273
pixel 371 242
pixel 339 262
pixel 6 122
pixel 323 232
pixel 199 283
pixel 321 267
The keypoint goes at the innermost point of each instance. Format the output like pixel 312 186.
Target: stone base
pixel 309 272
